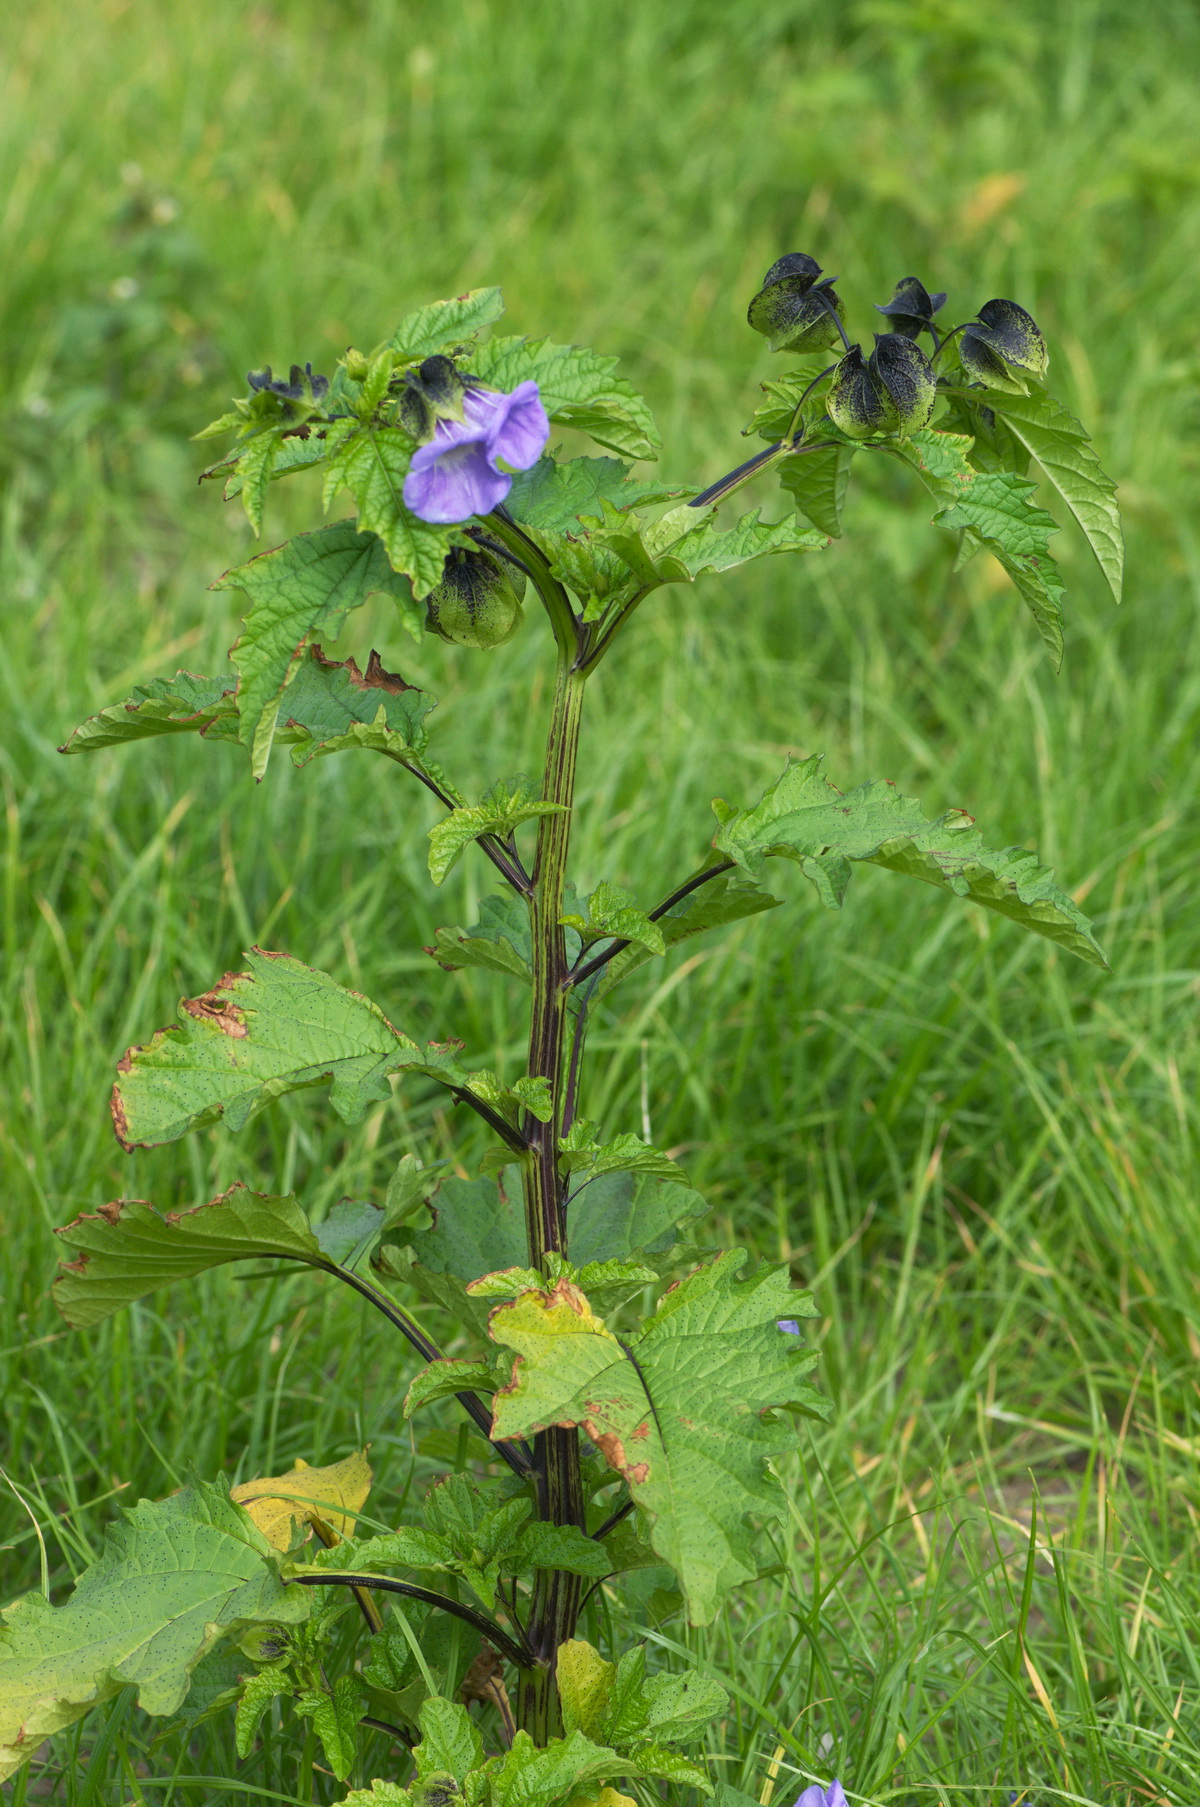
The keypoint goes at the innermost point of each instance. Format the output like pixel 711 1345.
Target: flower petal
pixel 518 428
pixel 449 483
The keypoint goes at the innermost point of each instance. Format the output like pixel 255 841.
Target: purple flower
pixel 458 473
pixel 793 1329
pixel 816 1796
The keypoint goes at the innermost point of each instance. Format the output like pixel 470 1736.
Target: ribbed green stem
pixel 555 1605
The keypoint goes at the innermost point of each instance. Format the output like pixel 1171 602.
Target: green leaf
pixel 278 1028
pixel 580 1152
pixel 258 1691
pixel 676 1410
pixel 526 1776
pixel 627 1709
pixel 372 464
pixel 443 324
pixel 612 912
pixel 817 483
pixel 450 1742
pixel 995 505
pixel 254 467
pixel 292 454
pixel 630 1214
pixel 721 901
pixel 173 1576
pixel 389 1794
pixel 184 704
pixel 1058 442
pixel 335 1718
pixel 578 388
pixel 545 1546
pixel 411 1547
pixel 499 942
pixel 128 1250
pixel 607 1284
pixel 443 1379
pixel 477 1227
pixel 684 545
pixel 552 497
pixel 301 589
pixel 331 706
pixel 500 810
pixel 350 1231
pixel 802 817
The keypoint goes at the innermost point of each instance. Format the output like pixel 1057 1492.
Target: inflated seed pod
pixel 478 602
pixel 911 308
pixel 793 311
pixel 892 391
pixel 1004 342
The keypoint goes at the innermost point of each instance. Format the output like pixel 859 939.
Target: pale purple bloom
pixel 816 1796
pixel 458 473
pixel 793 1329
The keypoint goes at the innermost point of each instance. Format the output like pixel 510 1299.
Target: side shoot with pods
pixel 635 1391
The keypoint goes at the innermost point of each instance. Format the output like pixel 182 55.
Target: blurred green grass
pixel 983 1155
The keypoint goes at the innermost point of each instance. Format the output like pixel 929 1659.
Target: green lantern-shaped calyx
pixel 892 391
pixel 792 310
pixel 432 392
pixel 1002 343
pixel 477 603
pixel 911 308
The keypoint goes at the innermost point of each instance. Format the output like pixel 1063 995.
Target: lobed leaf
pixel 303 588
pixel 727 899
pixel 580 1152
pixel 676 1411
pixel 552 496
pixel 817 482
pixel 578 388
pixel 279 1503
pixel 443 324
pixel 172 1577
pixel 184 704
pixel 996 506
pixel 804 818
pixel 1052 435
pixel 612 913
pixel 278 1028
pixel 128 1249
pixel 372 464
pixel 501 810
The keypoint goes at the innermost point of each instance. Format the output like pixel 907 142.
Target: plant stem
pixel 555 1604
pixel 492 1632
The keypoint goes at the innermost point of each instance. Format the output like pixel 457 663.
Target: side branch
pixel 471 1403
pixel 599 961
pixel 516 1653
pixel 503 858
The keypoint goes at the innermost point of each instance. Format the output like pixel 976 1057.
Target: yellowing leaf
pixel 335 1494
pixel 584 1684
pixel 602 1797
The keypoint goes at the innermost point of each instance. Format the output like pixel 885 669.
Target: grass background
pixel 982 1154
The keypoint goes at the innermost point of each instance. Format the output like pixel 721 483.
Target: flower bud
pixel 432 392
pixel 792 310
pixel 477 602
pixel 1002 342
pixel 911 308
pixel 892 391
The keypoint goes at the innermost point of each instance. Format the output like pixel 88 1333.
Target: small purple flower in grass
pixel 816 1796
pixel 793 1329
pixel 457 474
